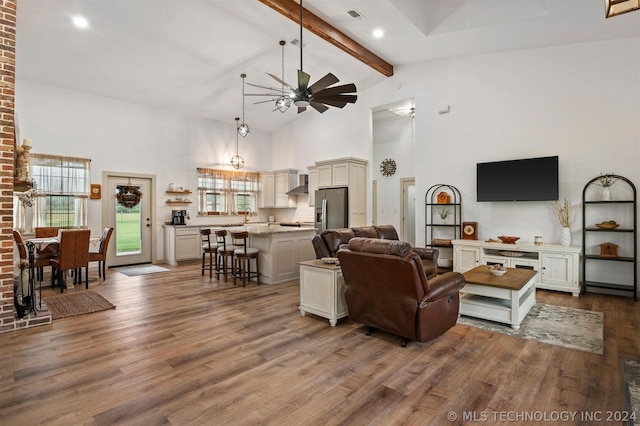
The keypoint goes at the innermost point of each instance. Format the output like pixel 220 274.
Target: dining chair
pixel 50 250
pixel 46 231
pixel 41 258
pixel 101 255
pixel 73 255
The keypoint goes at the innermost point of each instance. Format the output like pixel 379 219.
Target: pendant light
pixel 284 101
pixel 243 129
pixel 237 162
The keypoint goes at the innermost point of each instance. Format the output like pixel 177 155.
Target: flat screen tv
pixel 530 179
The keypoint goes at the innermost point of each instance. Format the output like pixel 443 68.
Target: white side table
pixel 322 290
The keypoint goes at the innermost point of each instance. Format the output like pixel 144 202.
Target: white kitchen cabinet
pixel 558 266
pixel 313 184
pixel 350 173
pixel 274 187
pixel 181 244
pixel 267 189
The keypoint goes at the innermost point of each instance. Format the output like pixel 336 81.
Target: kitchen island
pixel 281 247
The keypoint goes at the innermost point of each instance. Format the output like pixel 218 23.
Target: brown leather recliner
pixel 329 242
pixel 386 288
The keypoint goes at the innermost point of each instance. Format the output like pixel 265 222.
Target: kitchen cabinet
pixel 274 187
pixel 181 244
pixel 313 184
pixel 558 266
pixel 345 172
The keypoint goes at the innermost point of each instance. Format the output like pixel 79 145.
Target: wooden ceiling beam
pixel 326 31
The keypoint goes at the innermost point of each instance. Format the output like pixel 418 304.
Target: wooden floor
pixel 182 349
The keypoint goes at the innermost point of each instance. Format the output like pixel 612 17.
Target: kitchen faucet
pixel 247 213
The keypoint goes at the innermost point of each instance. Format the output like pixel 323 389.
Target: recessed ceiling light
pixel 378 33
pixel 80 21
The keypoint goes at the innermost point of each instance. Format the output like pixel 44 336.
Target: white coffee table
pixel 506 299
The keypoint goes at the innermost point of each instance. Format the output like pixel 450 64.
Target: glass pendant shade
pixel 283 103
pixel 243 130
pixel 237 162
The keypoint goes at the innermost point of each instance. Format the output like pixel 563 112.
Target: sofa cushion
pixel 387 232
pixel 378 246
pixel 333 238
pixel 365 232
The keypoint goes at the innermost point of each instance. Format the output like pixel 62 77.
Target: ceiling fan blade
pixel 337 90
pixel 318 106
pixel 264 102
pixel 264 94
pixel 323 83
pixel 303 80
pixel 277 89
pixel 301 109
pixel 334 103
pixel 340 98
pixel 281 81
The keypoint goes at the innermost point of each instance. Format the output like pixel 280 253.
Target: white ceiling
pixel 187 55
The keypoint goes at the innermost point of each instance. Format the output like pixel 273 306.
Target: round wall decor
pixel 388 167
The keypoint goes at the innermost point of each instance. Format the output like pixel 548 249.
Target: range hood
pixel 302 188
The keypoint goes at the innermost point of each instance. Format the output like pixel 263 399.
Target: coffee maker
pixel 178 217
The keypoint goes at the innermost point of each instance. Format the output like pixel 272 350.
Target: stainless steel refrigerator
pixel 332 209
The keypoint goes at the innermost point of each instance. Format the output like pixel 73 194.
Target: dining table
pixel 35 246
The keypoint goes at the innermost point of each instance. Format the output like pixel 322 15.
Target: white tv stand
pixel 558 266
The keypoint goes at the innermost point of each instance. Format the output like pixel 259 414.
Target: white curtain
pixel 65 181
pixel 229 184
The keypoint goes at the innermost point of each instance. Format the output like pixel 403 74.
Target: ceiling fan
pixel 319 95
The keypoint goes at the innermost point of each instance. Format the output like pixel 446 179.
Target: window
pixel 226 192
pixel 63 190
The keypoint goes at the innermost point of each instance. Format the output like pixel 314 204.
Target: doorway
pixel 409 210
pixel 133 228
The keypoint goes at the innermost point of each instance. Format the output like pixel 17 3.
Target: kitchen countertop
pixel 252 228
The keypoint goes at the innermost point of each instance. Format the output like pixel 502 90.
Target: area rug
pixel 135 270
pixel 556 325
pixel 76 303
pixel 631 383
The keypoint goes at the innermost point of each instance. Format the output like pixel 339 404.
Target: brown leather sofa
pixel 329 241
pixel 386 288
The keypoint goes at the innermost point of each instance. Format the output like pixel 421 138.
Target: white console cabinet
pixel 558 266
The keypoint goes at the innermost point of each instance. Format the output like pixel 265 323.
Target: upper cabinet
pixel 274 187
pixel 343 172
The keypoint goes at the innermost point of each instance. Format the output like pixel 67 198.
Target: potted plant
pixel 606 181
pixel 562 209
pixel 443 213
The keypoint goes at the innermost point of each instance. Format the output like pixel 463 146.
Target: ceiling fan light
pixel 301 103
pixel 283 103
pixel 243 130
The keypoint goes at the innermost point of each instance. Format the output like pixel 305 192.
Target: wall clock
pixel 469 230
pixel 388 167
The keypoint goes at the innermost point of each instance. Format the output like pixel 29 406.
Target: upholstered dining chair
pixel 50 250
pixel 41 258
pixel 46 231
pixel 101 255
pixel 73 255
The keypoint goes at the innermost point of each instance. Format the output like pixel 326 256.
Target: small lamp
pixel 243 129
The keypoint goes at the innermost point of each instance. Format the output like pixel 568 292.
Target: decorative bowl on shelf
pixel 508 240
pixel 605 225
pixel 497 270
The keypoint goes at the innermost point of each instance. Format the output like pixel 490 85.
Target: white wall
pixel 580 102
pixel 124 137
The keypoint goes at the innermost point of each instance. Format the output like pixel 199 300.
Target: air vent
pixel 356 15
pixel 296 43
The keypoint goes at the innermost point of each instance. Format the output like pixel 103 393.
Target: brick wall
pixel 8 320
